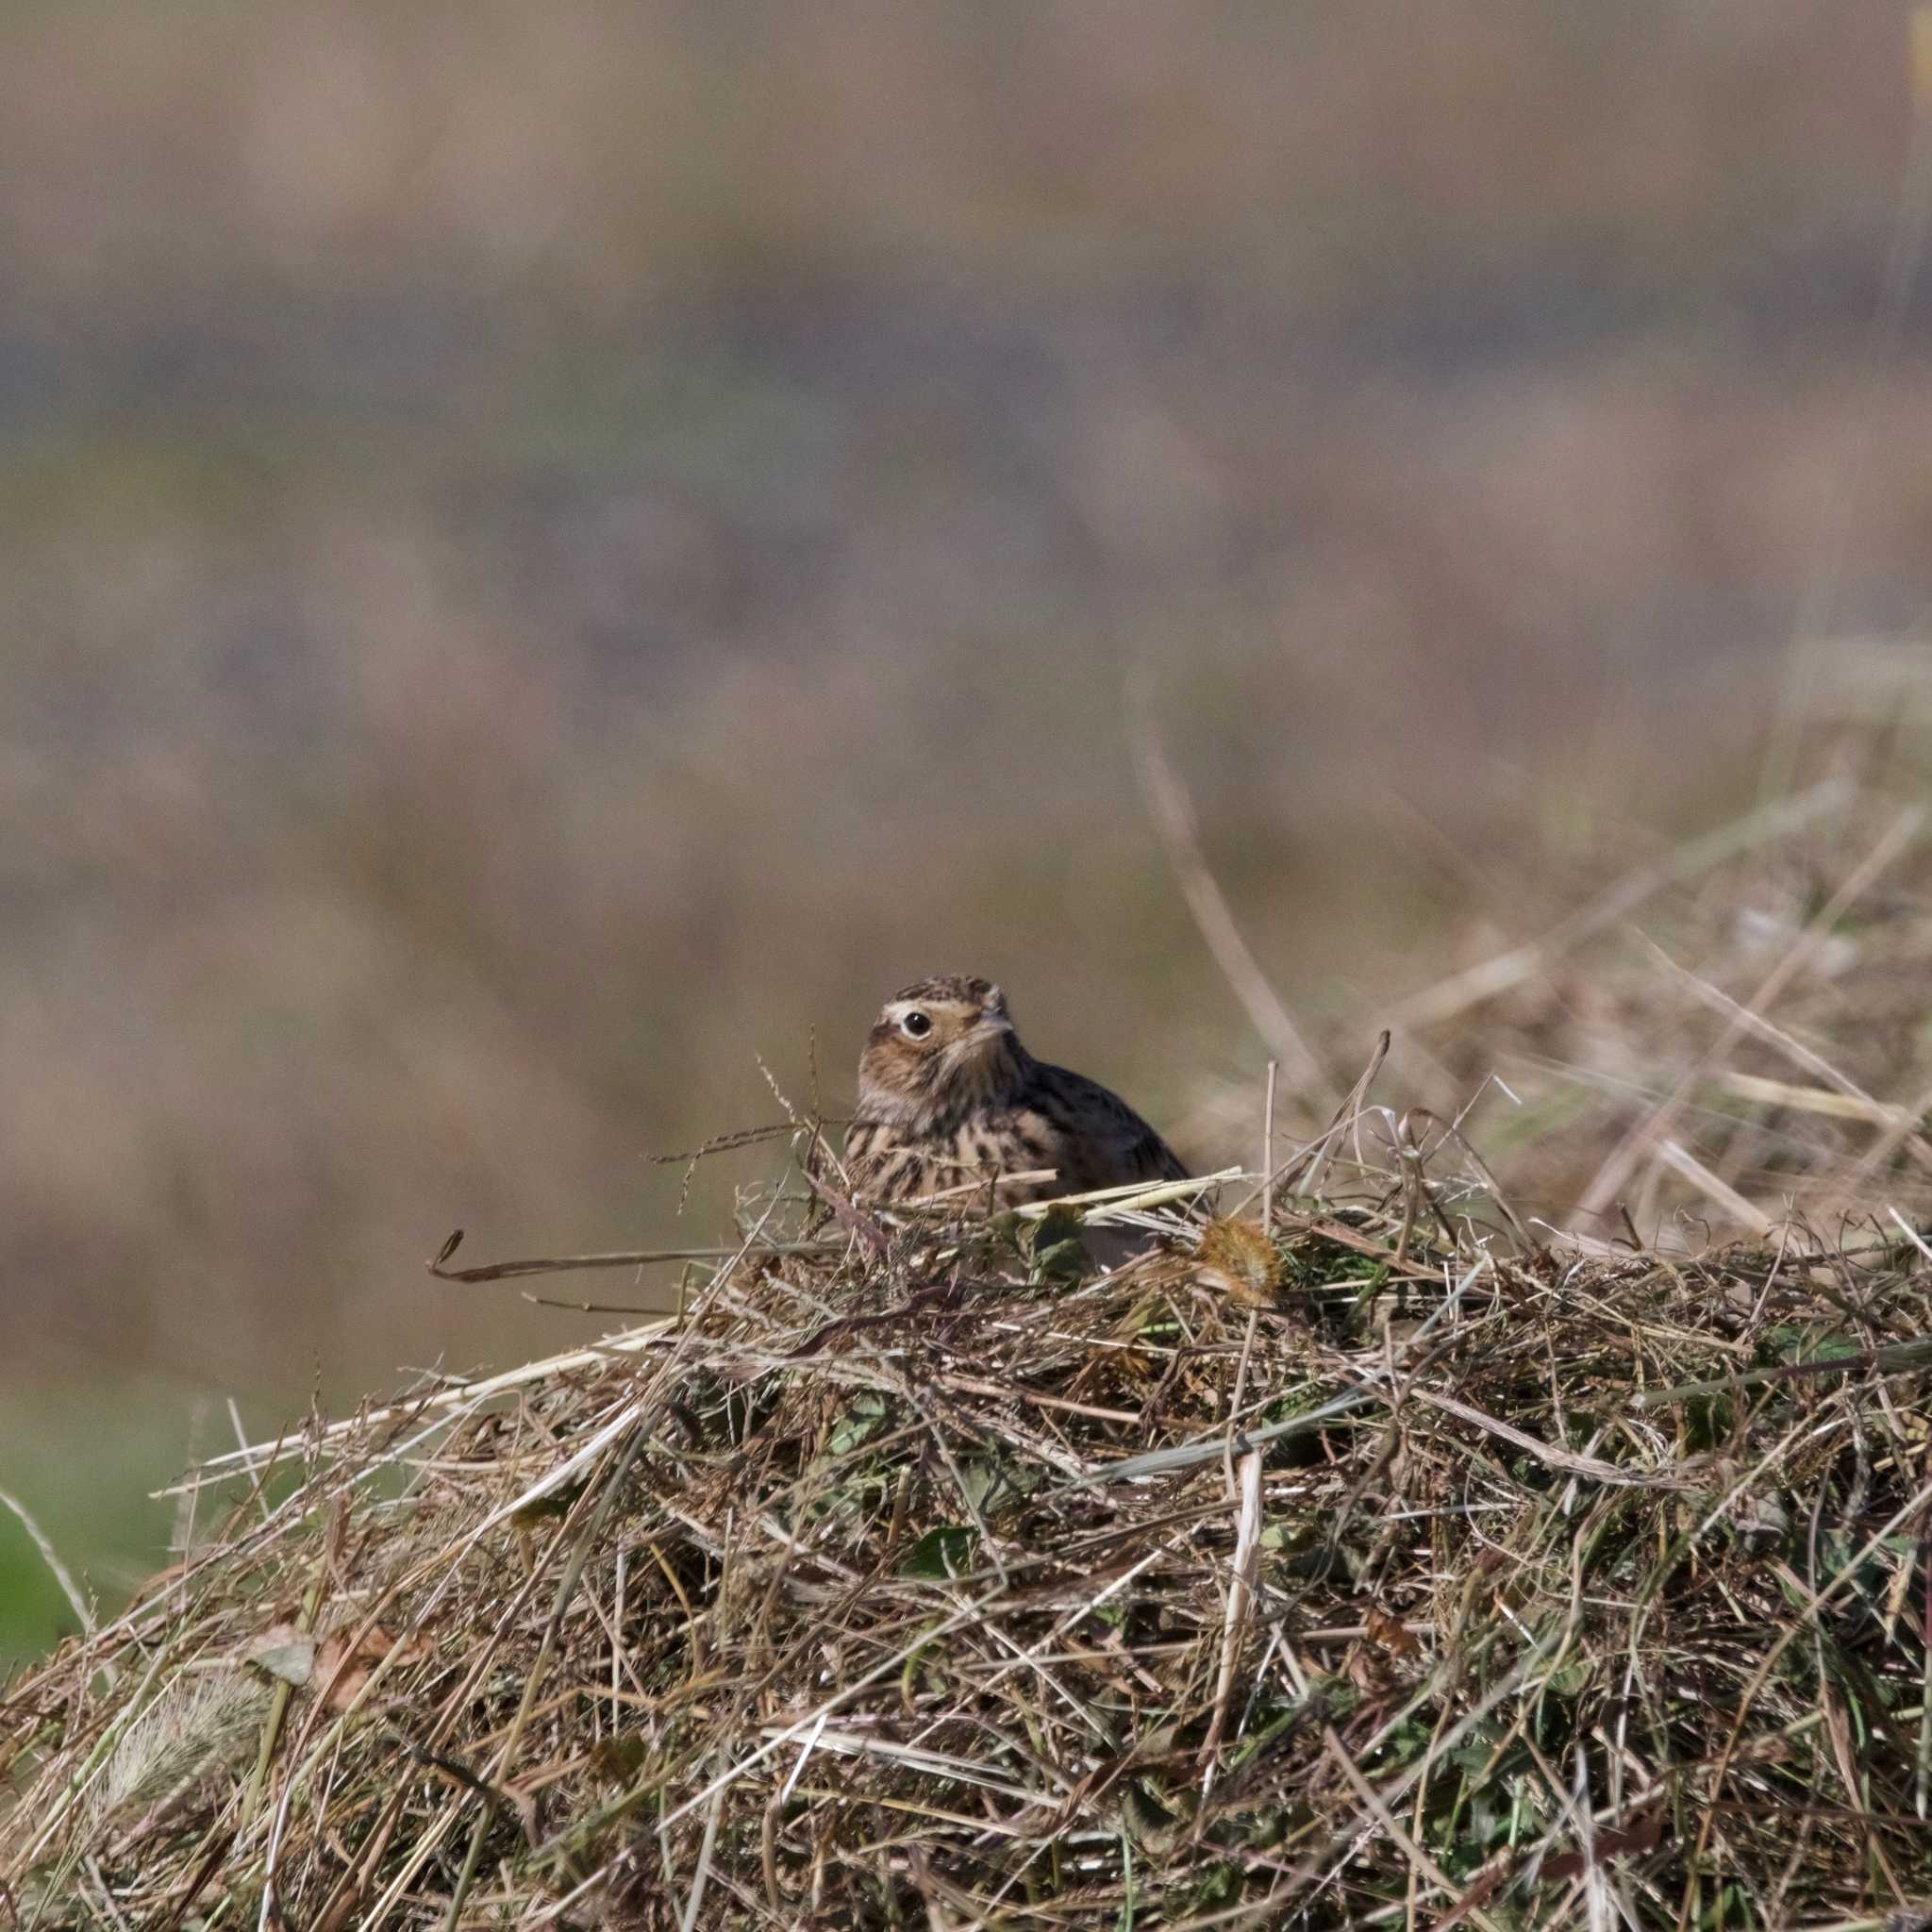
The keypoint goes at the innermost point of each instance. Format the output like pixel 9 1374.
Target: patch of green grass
pixel 82 1460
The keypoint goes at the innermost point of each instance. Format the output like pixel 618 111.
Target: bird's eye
pixel 915 1025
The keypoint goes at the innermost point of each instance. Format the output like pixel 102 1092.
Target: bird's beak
pixel 995 1022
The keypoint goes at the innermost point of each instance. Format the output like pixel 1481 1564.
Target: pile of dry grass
pixel 1389 1570
pixel 1698 1040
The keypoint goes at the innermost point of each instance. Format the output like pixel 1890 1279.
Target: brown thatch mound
pixel 1390 1571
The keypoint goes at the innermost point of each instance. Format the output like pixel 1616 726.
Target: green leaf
pixel 865 1415
pixel 941 1554
pixel 1572 1678
pixel 1220 1887
pixel 1832 1348
pixel 1058 1249
pixel 558 1502
pixel 990 1481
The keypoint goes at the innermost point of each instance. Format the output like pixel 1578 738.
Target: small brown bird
pixel 947 1095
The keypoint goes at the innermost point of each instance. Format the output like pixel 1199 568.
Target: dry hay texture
pixel 1392 1570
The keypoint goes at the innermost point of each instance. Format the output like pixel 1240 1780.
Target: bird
pixel 948 1095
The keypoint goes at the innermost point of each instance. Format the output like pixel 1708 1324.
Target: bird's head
pixel 940 1047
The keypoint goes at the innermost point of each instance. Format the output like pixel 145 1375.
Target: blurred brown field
pixel 553 555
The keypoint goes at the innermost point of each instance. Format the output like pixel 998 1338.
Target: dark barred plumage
pixel 947 1095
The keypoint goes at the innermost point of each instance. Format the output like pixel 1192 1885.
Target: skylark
pixel 947 1095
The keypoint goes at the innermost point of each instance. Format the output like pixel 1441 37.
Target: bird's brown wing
pixel 1103 1142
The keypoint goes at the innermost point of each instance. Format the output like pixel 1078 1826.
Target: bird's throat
pixel 978 1071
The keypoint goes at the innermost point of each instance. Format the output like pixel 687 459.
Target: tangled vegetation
pixel 1361 1561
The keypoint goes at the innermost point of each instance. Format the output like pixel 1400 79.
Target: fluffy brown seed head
pixel 939 1048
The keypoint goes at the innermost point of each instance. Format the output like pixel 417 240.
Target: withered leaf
pixel 1239 1260
pixel 284 1652
pixel 345 1671
pixel 1391 1632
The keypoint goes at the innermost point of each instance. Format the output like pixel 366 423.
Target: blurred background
pixel 552 555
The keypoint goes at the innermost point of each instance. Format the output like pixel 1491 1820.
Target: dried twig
pixel 1174 819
